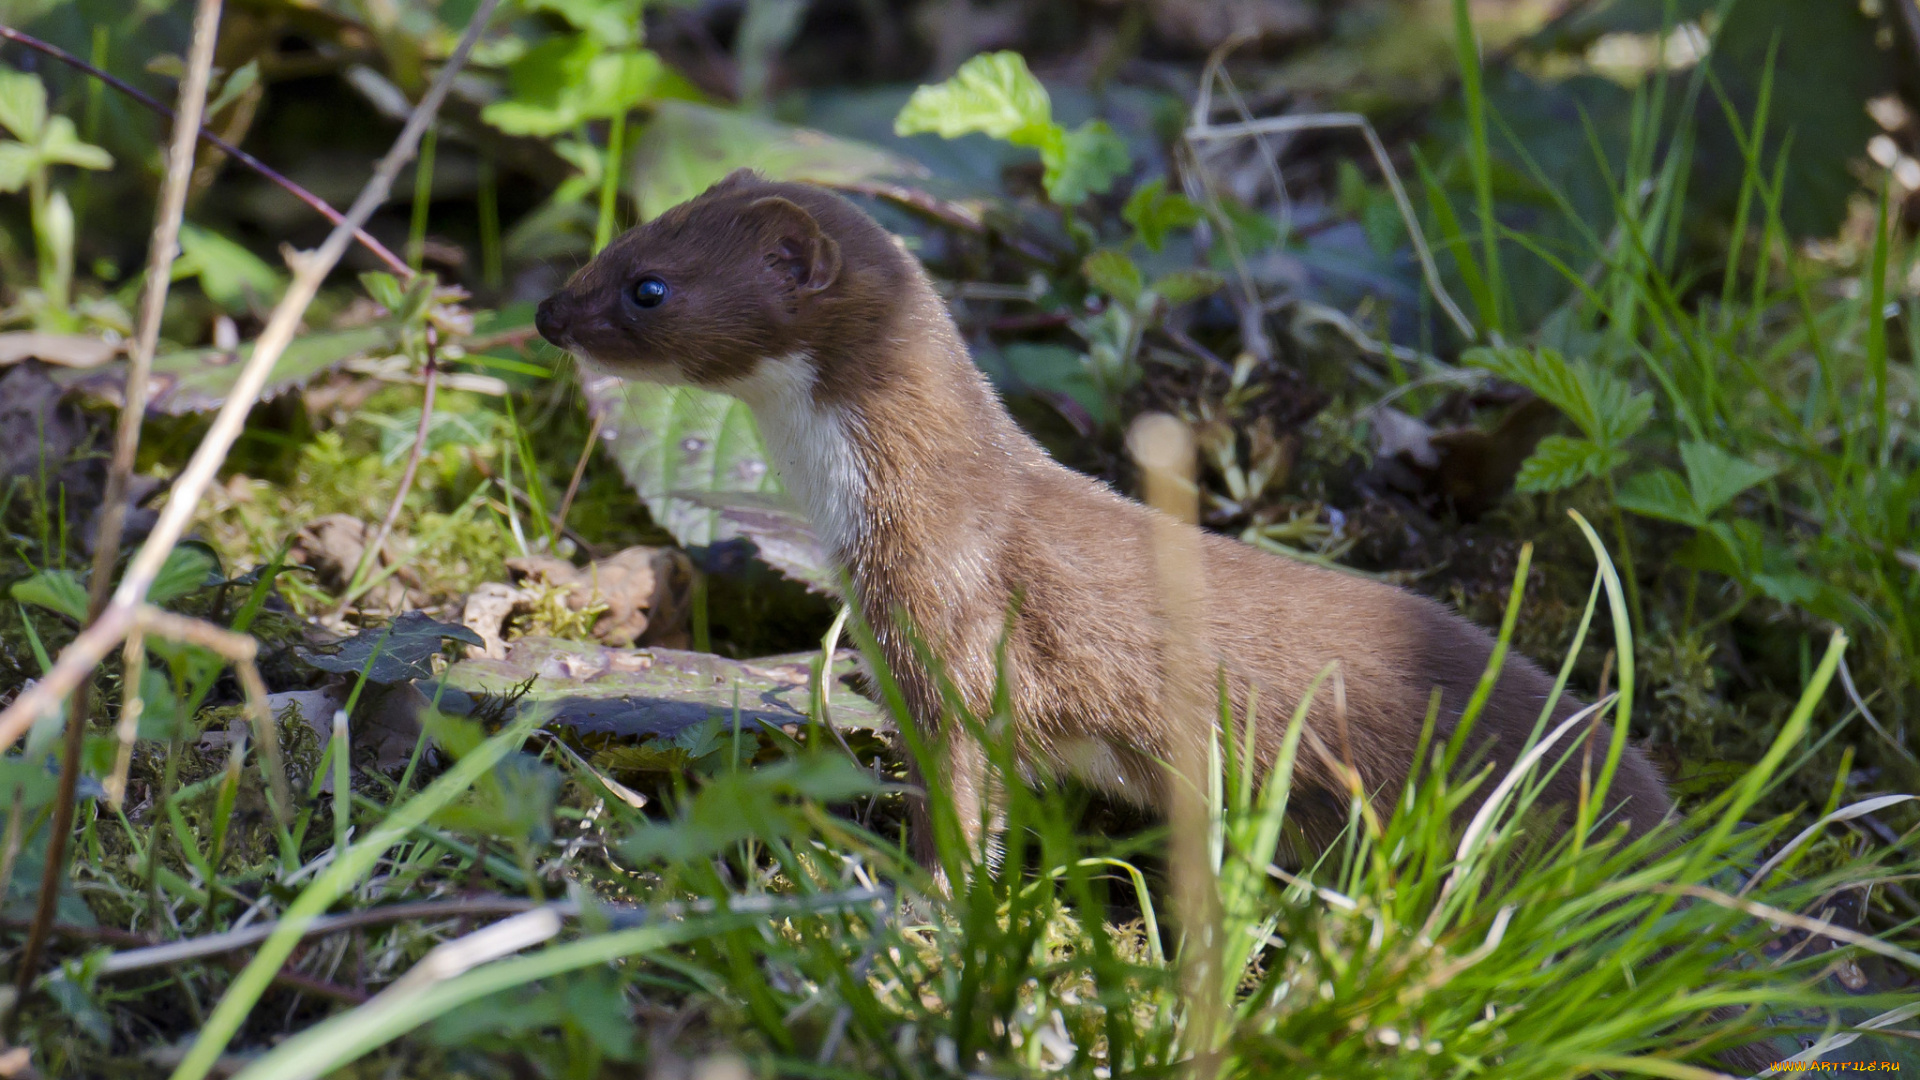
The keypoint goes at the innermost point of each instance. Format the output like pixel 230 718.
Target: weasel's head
pixel 748 272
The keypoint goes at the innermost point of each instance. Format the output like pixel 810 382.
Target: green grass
pixel 1741 426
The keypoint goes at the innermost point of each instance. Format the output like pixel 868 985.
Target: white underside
pixel 811 447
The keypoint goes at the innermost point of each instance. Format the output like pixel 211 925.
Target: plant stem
pixel 1626 556
pixel 489 209
pixel 422 200
pixel 355 584
pixel 610 179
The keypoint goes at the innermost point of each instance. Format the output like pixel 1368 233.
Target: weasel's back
pixel 1272 624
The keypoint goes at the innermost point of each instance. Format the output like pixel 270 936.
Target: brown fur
pixel 964 513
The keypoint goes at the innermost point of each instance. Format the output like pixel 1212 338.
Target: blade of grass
pixel 346 871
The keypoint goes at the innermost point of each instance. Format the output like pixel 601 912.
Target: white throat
pixel 812 449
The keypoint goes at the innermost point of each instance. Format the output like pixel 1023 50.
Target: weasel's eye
pixel 649 291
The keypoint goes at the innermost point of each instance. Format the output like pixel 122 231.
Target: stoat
pixel 945 517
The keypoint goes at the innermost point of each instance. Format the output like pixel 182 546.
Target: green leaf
pixel 674 439
pixel 1602 405
pixel 1115 275
pixel 1560 462
pixel 56 590
pixel 1618 411
pixel 23 105
pixel 60 144
pixel 231 276
pixel 610 22
pixel 1186 286
pixel 33 784
pixel 565 81
pixel 198 380
pixel 515 800
pixel 1153 212
pixel 686 148
pixel 161 716
pixel 236 84
pixel 385 289
pixel 1730 548
pixel 1661 494
pixel 992 94
pixel 189 568
pixel 1716 476
pixel 1085 162
pixel 618 82
pixel 733 806
pixel 17 165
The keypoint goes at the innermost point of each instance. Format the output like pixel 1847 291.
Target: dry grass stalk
pixel 1164 448
pixel 356 582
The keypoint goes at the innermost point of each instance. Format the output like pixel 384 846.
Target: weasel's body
pixel 945 516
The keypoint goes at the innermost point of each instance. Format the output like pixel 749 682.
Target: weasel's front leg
pixel 979 804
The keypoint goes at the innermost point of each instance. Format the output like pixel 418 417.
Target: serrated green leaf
pixel 1602 405
pixel 1661 494
pixel 161 716
pixel 1543 371
pixel 1115 275
pixel 1560 462
pixel 56 590
pixel 23 105
pixel 1618 411
pixel 1086 161
pixel 1716 477
pixel 992 94
pixel 384 288
pixel 1731 548
pixel 1153 211
pixel 189 568
pixel 230 275
pixel 1186 286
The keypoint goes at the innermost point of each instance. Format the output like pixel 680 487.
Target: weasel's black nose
pixel 546 319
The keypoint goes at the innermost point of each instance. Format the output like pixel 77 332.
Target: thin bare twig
pixel 579 469
pixel 166 236
pixel 92 644
pixel 320 206
pixel 152 955
pixel 136 943
pixel 356 581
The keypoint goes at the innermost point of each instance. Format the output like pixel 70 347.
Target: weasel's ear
pixel 795 247
pixel 736 178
